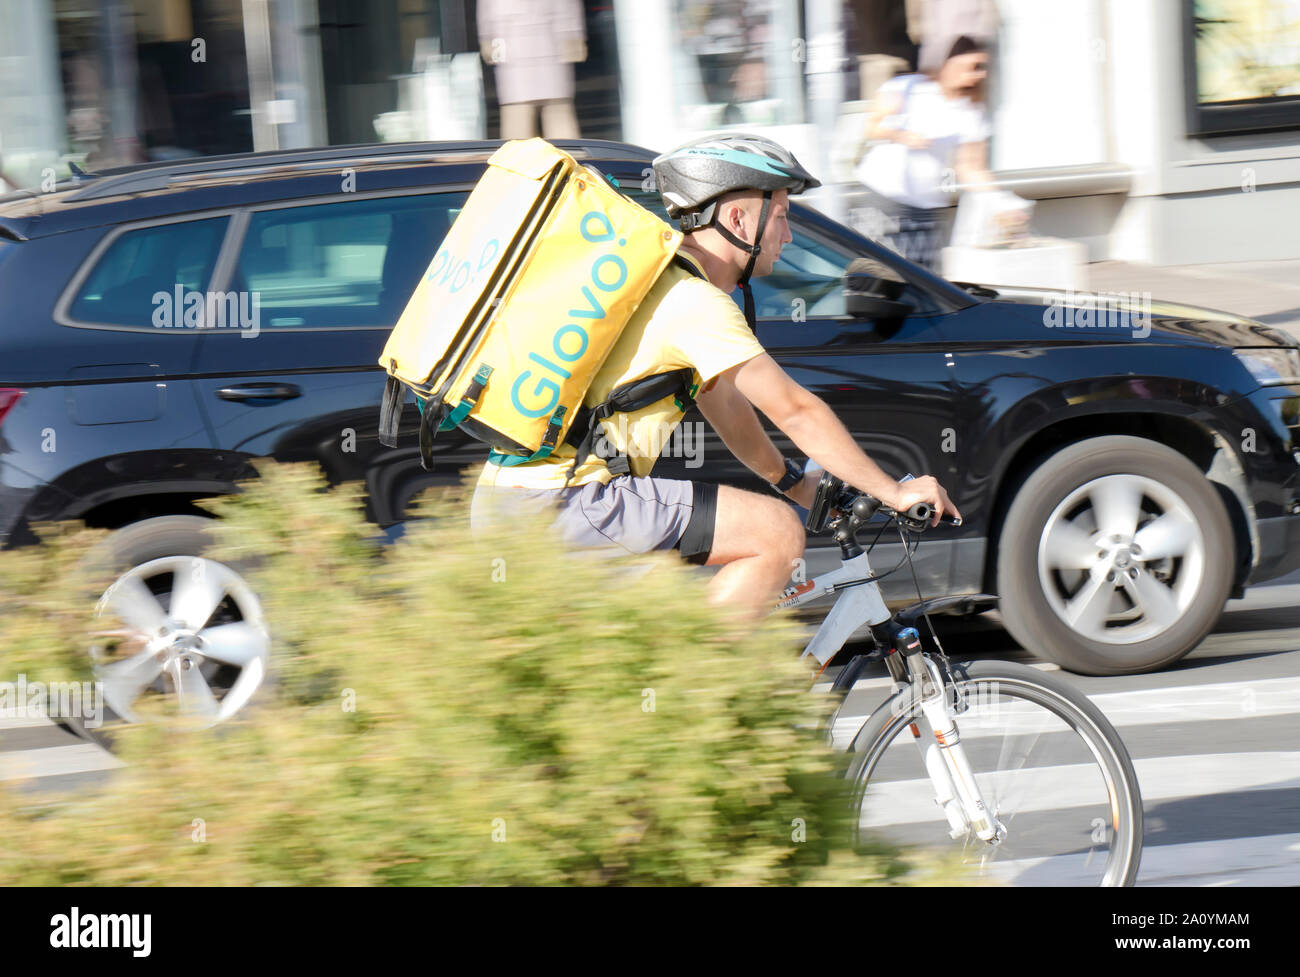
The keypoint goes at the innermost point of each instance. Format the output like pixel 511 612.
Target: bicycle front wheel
pixel 1049 765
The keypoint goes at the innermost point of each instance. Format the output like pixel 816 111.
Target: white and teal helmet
pixel 692 177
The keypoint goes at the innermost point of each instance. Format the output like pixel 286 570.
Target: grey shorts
pixel 636 515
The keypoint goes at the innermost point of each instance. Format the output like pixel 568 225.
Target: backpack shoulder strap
pixel 627 399
pixel 685 265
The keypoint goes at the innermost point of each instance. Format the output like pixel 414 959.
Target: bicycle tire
pixel 1077 714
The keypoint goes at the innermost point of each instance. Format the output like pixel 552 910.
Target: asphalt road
pixel 1215 741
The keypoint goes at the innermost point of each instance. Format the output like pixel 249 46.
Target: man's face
pixel 776 232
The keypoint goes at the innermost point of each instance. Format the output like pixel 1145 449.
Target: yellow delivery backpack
pixel 520 306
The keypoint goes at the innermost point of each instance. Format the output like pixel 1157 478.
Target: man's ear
pixel 727 212
pixel 737 219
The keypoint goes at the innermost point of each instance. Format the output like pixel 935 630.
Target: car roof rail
pixel 144 177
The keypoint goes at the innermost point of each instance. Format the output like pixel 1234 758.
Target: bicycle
pixel 1057 802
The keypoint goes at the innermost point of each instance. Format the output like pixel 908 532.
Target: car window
pixel 806 281
pixel 348 264
pixel 142 269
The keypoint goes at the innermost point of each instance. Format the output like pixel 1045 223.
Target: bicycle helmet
pixel 692 177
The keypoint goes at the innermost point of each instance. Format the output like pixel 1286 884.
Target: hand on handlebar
pixel 925 489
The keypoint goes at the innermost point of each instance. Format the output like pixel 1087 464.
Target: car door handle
pixel 260 391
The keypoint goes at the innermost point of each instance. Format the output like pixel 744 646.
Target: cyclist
pixel 729 194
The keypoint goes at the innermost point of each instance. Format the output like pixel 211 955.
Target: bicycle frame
pixel 858 604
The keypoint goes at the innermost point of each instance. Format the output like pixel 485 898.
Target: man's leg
pixel 757 539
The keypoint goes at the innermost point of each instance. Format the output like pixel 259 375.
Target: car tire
pixel 1115 557
pixel 209 674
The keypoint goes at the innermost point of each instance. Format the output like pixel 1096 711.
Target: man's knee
pixel 792 536
pixel 750 524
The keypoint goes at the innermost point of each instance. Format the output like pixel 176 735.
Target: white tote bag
pixel 884 167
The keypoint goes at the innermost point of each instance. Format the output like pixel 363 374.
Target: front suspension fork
pixel 956 791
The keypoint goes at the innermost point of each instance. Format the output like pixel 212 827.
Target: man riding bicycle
pixel 729 195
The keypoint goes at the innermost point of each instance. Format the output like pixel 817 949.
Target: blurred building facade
pixel 1154 130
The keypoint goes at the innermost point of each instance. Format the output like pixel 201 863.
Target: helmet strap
pixel 754 250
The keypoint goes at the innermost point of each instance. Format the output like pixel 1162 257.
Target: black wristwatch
pixel 793 475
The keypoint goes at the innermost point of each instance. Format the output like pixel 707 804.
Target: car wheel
pixel 1116 557
pixel 181 631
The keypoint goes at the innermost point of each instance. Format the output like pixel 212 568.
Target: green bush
pixel 451 710
pixel 44 610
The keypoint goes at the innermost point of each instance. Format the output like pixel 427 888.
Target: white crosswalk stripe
pixel 22 722
pixel 1163 778
pixel 1147 707
pixel 1200 703
pixel 54 761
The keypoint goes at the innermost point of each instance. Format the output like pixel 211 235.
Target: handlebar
pixel 922 513
pixel 834 496
pixel 917 518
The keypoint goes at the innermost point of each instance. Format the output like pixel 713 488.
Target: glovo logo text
pixel 453 273
pixel 608 274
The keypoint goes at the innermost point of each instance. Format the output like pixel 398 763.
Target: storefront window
pixel 1241 65
pixel 738 62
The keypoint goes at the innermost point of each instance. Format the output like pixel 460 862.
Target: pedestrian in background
pixel 933 133
pixel 882 41
pixel 943 21
pixel 533 46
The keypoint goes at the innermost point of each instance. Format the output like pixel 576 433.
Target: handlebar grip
pixel 921 512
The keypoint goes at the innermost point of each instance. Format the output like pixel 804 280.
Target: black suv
pixel 165 323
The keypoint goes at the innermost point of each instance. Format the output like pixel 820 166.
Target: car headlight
pixel 1271 367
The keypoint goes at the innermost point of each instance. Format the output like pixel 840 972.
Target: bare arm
pixel 813 426
pixel 971 164
pixel 885 106
pixel 732 416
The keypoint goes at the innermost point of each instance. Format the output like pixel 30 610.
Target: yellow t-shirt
pixel 684 322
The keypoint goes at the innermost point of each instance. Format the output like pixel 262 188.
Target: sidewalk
pixel 1265 290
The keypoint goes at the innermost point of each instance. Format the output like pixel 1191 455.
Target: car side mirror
pixel 863 299
pixel 871 291
pixel 862 305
